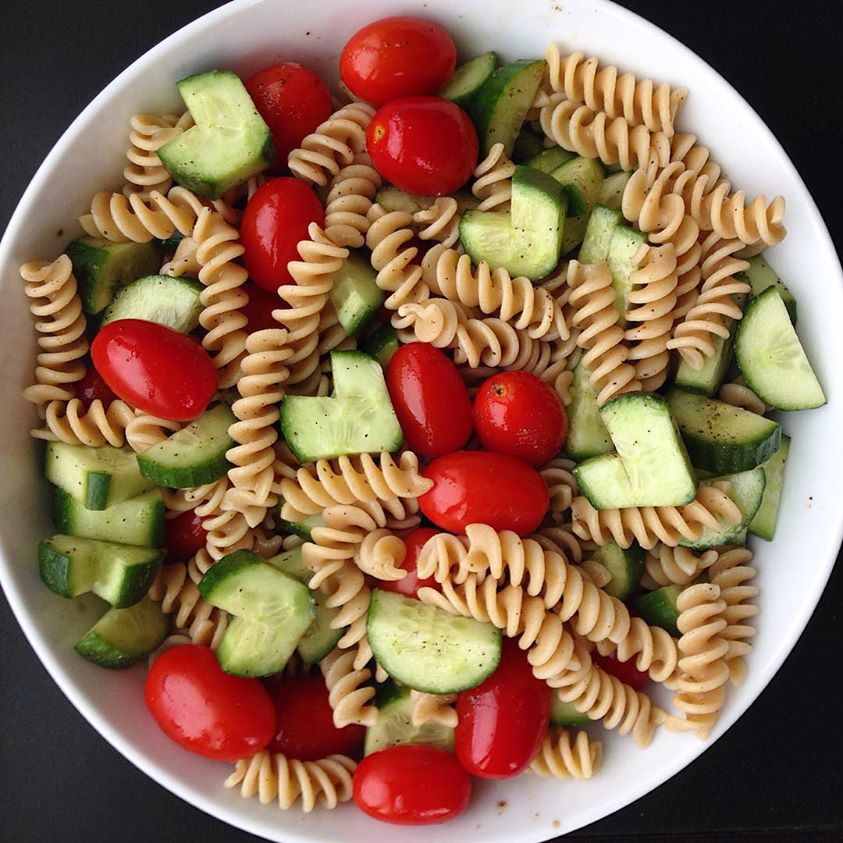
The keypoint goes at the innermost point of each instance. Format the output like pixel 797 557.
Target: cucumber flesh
pixel 355 295
pixel 623 247
pixel 164 299
pixel 764 523
pixel 582 179
pixel 392 198
pixel 587 433
pixel 565 714
pixel 760 275
pixel 611 191
pixel 598 235
pixel 574 232
pixel 382 344
pixel 394 726
pixel 625 565
pixel 429 649
pixel 771 358
pixel 658 608
pixel 468 78
pixel 550 159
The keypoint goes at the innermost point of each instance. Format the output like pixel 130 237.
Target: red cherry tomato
pixel 306 722
pixel 205 710
pixel 478 487
pixel 410 584
pixel 430 399
pixel 503 721
pixel 184 537
pixel 259 309
pixel 274 222
pixel 93 388
pixel 627 672
pixel 154 368
pixel 518 414
pixel 397 57
pixel 411 784
pixel 293 101
pixel 423 145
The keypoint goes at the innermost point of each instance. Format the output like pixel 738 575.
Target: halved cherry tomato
pixel 411 784
pixel 293 100
pixel 503 721
pixel 397 57
pixel 206 710
pixel 411 583
pixel 423 145
pixel 479 487
pixel 430 399
pixel 259 309
pixel 184 536
pixel 154 368
pixel 274 222
pixel 627 672
pixel 518 414
pixel 93 388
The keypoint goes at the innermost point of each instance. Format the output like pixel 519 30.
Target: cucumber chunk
pixel 357 419
pixel 598 235
pixel 428 649
pixel 355 295
pixel 300 528
pixel 574 232
pixel 658 608
pixel 271 610
pixel 771 358
pixel 194 455
pixel 722 438
pixel 394 726
pixel 122 637
pixel 587 434
pixel 97 477
pixel 565 714
pixel 382 344
pixel 139 521
pixel 321 638
pixel 611 191
pixel 582 179
pixel 760 276
pixel 550 159
pixel 623 247
pixel 230 142
pixel 120 574
pixel 392 198
pixel 500 105
pixel 528 144
pixel 625 566
pixel 102 267
pixel 764 523
pixel 164 299
pixel 468 78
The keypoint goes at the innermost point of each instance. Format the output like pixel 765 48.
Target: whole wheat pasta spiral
pixel 333 145
pixel 595 314
pixel 184 260
pixel 380 555
pixel 433 708
pixel 561 485
pixel 269 776
pixel 562 539
pixel 648 525
pixel 566 755
pixel 440 222
pixel 675 565
pixel 738 394
pixel 144 431
pixel 149 132
pixel 349 200
pixel 582 80
pixel 493 180
pixel 95 425
pixel 348 693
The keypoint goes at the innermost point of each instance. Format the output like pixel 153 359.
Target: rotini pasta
pixel 380 555
pixel 433 708
pixel 143 431
pixel 349 200
pixel 75 424
pixel 561 486
pixel 738 394
pixel 493 180
pixel 149 132
pixel 675 565
pixel 564 755
pixel 348 693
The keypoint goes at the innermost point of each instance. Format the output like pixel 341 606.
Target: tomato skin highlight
pixel 184 536
pixel 207 711
pixel 480 487
pixel 410 584
pixel 503 721
pixel 305 720
pixel 411 784
pixel 430 399
pixel 627 672
pixel 275 220
pixel 293 100
pixel 424 145
pixel 518 414
pixel 397 57
pixel 154 368
pixel 93 388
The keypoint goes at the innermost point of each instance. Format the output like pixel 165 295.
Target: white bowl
pixel 246 35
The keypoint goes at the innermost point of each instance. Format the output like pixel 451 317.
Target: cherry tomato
pixel 503 721
pixel 93 388
pixel 627 672
pixel 411 784
pixel 293 101
pixel 259 309
pixel 205 710
pixel 184 537
pixel 518 414
pixel 274 222
pixel 306 722
pixel 397 57
pixel 479 487
pixel 430 399
pixel 411 583
pixel 154 368
pixel 423 145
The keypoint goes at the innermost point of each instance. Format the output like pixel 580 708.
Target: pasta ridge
pixel 567 755
pixel 493 180
pixel 351 196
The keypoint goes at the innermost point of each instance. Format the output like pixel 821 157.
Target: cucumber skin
pixel 382 344
pixel 564 714
pixel 485 64
pixel 394 701
pixel 633 560
pixel 658 608
pixel 54 568
pixel 764 521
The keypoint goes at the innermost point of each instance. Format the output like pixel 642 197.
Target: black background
pixel 776 774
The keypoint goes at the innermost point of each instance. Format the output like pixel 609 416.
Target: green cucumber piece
pixel 122 637
pixel 623 247
pixel 722 438
pixel 355 295
pixel 574 232
pixel 658 608
pixel 97 477
pixel 194 455
pixel 528 145
pixel 428 649
pixel 392 198
pixel 303 528
pixel 271 613
pixel 102 267
pixel 469 78
pixel 565 714
pixel 394 726
pixel 550 159
pixel 771 358
pixel 587 433
pixel 382 344
pixel 598 234
pixel 611 191
pixel 625 565
pixel 357 419
pixel 164 299
pixel 582 179
pixel 764 523
pixel 759 275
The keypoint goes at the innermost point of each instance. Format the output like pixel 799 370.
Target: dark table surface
pixel 775 775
